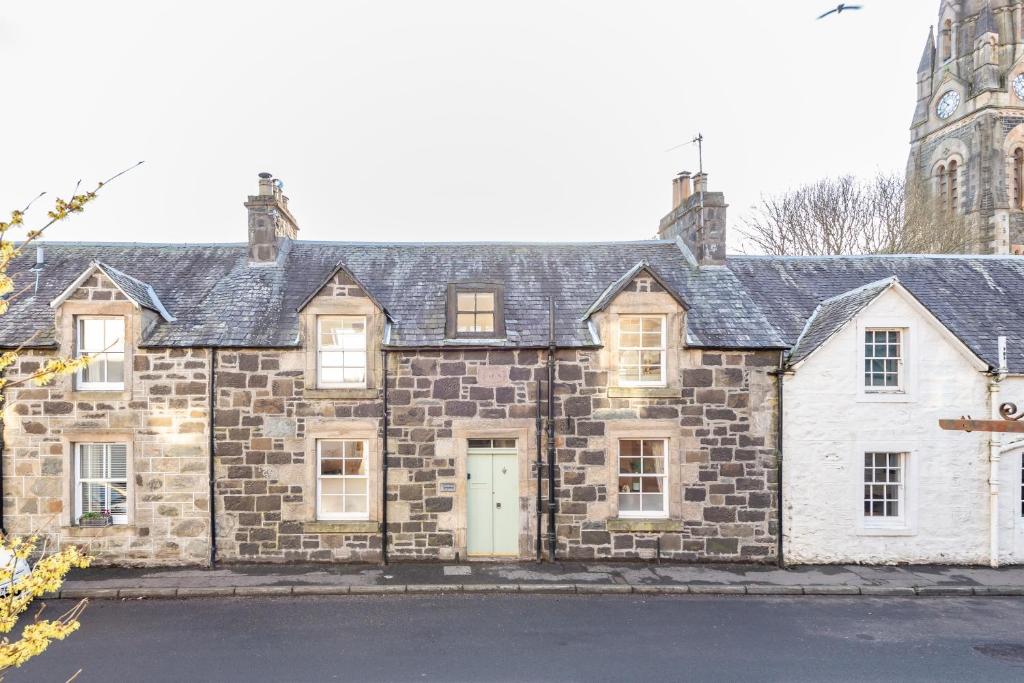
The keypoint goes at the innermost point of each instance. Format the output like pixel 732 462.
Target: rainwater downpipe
pixel 384 461
pixel 994 454
pixel 213 471
pixel 552 503
pixel 540 478
pixel 780 377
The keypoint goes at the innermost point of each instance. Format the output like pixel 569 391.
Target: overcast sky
pixel 474 120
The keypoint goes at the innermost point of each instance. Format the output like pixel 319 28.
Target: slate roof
pixel 978 298
pixel 831 315
pixel 218 299
pixel 753 302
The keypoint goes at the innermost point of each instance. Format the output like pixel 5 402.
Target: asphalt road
pixel 523 638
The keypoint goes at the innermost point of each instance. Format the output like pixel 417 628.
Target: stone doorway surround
pixel 524 432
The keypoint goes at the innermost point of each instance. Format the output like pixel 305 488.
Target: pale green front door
pixel 492 508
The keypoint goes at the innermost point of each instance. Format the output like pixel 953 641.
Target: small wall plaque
pixel 447 487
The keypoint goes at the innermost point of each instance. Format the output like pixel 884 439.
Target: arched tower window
pixel 954 204
pixel 940 175
pixel 1018 178
pixel 947 39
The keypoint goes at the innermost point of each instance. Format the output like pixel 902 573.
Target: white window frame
pixel 664 476
pixel 899 520
pixel 900 362
pixel 662 349
pixel 106 480
pixel 320 350
pixel 320 514
pixel 99 354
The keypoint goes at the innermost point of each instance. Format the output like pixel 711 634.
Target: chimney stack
pixel 271 224
pixel 697 218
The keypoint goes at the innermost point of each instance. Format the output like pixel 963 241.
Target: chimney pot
pixel 700 182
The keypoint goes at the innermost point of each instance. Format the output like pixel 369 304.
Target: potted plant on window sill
pixel 94 519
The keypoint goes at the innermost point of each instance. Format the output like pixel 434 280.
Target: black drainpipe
pixel 213 470
pixel 778 449
pixel 540 480
pixel 384 463
pixel 552 503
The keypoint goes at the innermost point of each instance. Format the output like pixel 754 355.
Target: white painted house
pixel 868 475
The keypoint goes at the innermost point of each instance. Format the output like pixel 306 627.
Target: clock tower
pixel 967 136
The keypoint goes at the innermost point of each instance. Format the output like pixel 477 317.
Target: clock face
pixel 948 103
pixel 1018 86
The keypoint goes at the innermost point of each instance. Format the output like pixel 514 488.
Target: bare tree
pixel 848 215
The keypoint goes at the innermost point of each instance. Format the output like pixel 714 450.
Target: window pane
pixel 466 302
pixel 653 324
pixel 650 373
pixel 332 466
pixel 331 486
pixel 95 371
pixel 629 325
pixel 653 502
pixel 115 367
pixel 629 484
pixel 118 491
pixel 629 465
pixel 654 448
pixel 629 448
pixel 650 484
pixel 331 505
pixel 485 322
pixel 629 339
pixel 93 497
pixel 485 301
pixel 504 443
pixel 331 448
pixel 118 461
pixel 332 375
pixel 654 466
pixel 465 322
pixel 355 504
pixel 629 502
pixel 355 486
pixel 113 337
pixel 91 334
pixel 353 376
pixel 332 359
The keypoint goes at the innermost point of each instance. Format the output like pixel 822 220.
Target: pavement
pixel 525 577
pixel 477 637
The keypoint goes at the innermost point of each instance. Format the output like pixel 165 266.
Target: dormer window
pixel 101 337
pixel 475 311
pixel 642 350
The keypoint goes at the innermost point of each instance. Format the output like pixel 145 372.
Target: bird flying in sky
pixel 839 9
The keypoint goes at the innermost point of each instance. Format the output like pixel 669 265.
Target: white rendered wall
pixel 830 423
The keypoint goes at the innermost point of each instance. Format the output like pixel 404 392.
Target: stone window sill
pixel 643 392
pixel 98 531
pixel 644 525
pixel 341 527
pixel 886 531
pixel 351 394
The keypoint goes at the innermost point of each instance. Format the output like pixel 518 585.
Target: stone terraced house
pixel 283 400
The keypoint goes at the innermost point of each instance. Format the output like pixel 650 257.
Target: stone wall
pixel 162 418
pixel 724 418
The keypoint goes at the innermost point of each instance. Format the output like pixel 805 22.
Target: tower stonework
pixel 967 134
